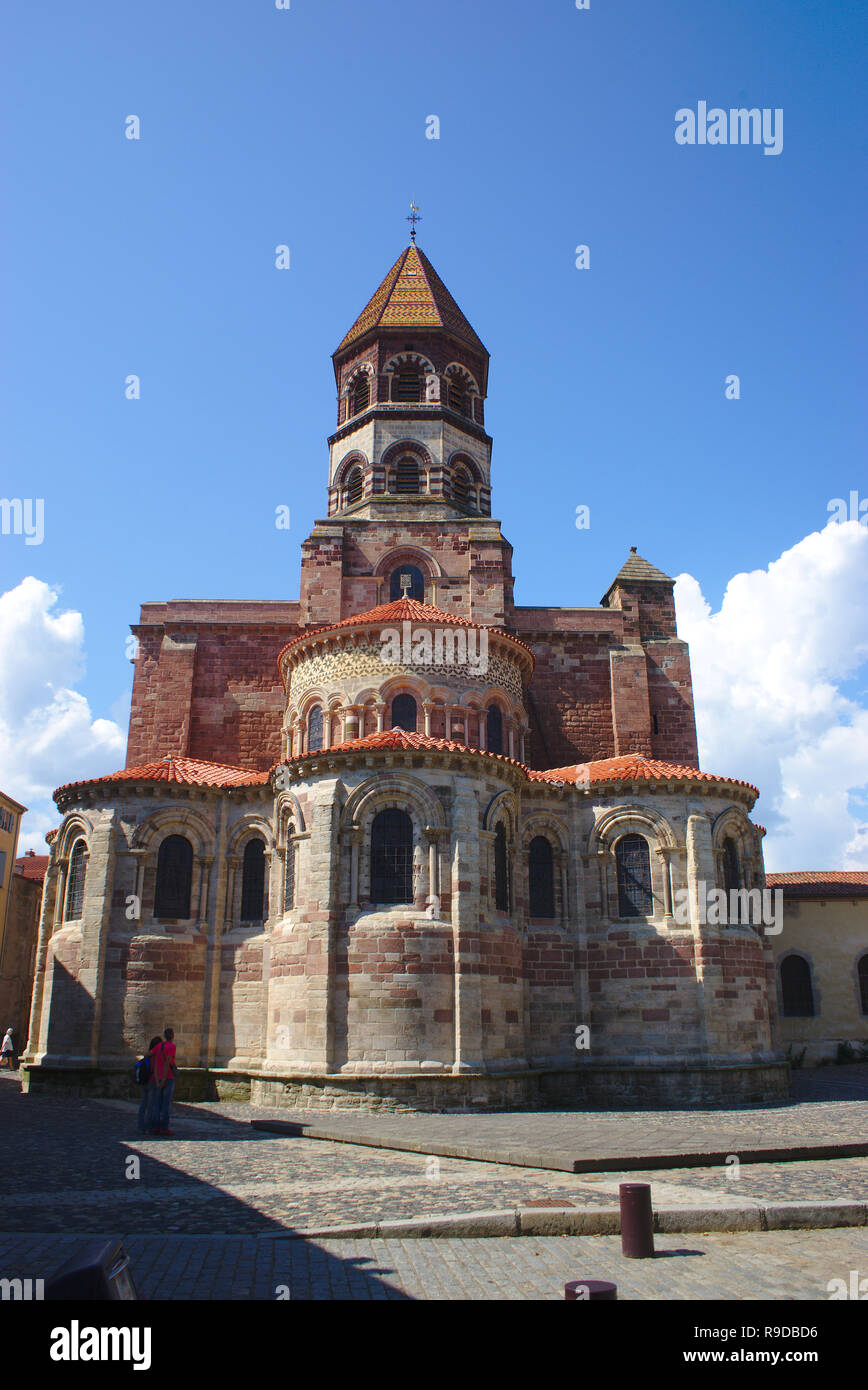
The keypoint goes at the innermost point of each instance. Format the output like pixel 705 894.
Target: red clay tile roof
pixel 186 771
pixel 822 883
pixel 632 767
pixel 412 296
pixel 399 739
pixel 32 865
pixel 402 610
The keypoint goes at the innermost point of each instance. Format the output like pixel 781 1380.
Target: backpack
pixel 142 1071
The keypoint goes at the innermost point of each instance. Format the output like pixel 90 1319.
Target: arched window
pixel 417 583
pixel 541 872
pixel 407 474
pixel 75 882
pixel 634 877
pixel 361 393
pixel 392 857
pixel 404 713
pixel 501 870
pixel 289 869
pixel 253 882
pixel 863 983
pixel 314 729
pixel 355 487
pixel 174 877
pixel 407 383
pixel 494 729
pixel 731 866
pixel 797 994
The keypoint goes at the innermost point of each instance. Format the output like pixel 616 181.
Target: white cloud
pixel 47 732
pixel 768 671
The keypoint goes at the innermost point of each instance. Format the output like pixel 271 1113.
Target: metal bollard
pixel 589 1290
pixel 637 1220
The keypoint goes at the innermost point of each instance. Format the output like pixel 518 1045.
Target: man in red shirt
pixel 165 1071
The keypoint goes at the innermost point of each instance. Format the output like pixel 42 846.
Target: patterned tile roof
pixel 32 865
pixel 632 767
pixel 186 771
pixel 412 296
pixel 822 883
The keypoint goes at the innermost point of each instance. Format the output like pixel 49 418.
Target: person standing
pixel 147 1117
pixel 7 1051
pixel 165 1073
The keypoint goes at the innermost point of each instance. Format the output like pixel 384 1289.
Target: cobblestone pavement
pixel 775 1265
pixel 68 1169
pixel 830 1106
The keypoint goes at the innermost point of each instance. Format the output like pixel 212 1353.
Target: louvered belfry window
pixel 361 393
pixel 407 475
pixel 541 873
pixel 392 857
pixel 354 487
pixel 174 878
pixel 460 485
pixel 253 882
pixel 634 877
pixel 76 881
pixel 407 384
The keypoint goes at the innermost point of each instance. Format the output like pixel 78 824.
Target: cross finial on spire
pixel 413 219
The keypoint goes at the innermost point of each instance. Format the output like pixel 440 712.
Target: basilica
pixel 400 842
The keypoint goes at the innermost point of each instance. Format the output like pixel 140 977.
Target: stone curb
pixel 564 1162
pixel 595 1221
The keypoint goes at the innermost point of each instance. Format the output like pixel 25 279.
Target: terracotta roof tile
pixel 405 610
pixel 403 739
pixel 412 296
pixel 32 866
pixel 822 883
pixel 186 771
pixel 632 767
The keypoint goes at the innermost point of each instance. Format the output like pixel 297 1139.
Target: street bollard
pixel 637 1220
pixel 589 1290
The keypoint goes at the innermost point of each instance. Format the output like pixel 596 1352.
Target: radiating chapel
pixel 401 842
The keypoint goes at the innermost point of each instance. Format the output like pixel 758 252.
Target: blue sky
pixel 307 127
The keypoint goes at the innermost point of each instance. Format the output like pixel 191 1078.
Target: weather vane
pixel 413 219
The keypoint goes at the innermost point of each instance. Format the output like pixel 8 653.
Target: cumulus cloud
pixel 48 734
pixel 769 675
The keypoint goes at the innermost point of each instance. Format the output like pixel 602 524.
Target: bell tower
pixel 409 477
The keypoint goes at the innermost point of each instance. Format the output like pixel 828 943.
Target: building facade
pixel 402 841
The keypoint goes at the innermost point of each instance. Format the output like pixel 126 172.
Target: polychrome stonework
pixel 350 881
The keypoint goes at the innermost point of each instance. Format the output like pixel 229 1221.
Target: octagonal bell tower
pixel 409 475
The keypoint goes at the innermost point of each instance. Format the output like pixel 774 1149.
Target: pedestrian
pixel 7 1051
pixel 166 1071
pixel 145 1077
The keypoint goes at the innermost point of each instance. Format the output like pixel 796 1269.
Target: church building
pixel 400 842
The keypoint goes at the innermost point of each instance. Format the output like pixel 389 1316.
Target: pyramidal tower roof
pixel 412 296
pixel 635 570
